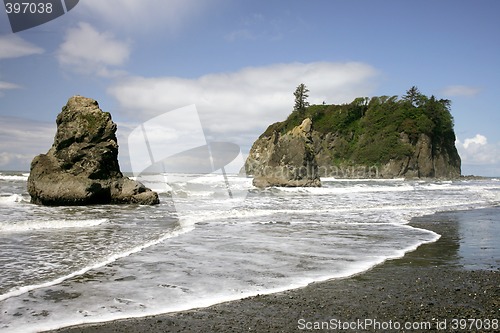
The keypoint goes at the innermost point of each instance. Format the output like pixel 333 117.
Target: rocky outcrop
pixel 427 159
pixel 378 137
pixel 284 160
pixel 81 167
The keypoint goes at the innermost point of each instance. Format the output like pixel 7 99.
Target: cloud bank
pixel 240 105
pixel 479 157
pixel 478 151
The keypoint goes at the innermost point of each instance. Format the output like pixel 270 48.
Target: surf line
pixel 22 290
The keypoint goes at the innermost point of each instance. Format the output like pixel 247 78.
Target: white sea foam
pixel 437 186
pixel 130 306
pixel 163 188
pixel 24 177
pixel 12 198
pixel 186 227
pixel 361 180
pixel 344 190
pixel 26 226
pixel 215 178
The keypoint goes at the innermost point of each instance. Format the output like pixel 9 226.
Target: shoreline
pixel 432 287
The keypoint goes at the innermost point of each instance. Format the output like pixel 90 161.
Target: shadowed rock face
pixel 81 167
pixel 285 160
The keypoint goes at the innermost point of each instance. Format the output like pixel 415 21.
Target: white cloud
pixel 21 140
pixel 145 15
pixel 88 51
pixel 240 105
pixel 466 91
pixel 477 141
pixel 7 86
pixel 477 151
pixel 13 46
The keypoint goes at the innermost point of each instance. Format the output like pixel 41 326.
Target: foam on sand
pixel 26 226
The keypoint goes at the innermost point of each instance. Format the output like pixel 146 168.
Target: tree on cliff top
pixel 300 98
pixel 414 96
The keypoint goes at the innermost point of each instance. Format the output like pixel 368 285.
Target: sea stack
pixel 81 167
pixel 380 137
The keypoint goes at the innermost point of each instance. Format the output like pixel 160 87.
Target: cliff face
pixel 380 137
pixel 428 159
pixel 82 167
pixel 285 160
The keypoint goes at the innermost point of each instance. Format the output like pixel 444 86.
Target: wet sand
pixel 430 289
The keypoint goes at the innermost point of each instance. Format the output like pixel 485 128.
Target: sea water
pixel 62 266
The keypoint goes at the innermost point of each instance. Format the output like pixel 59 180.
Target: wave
pixel 23 177
pixel 333 179
pixel 164 189
pixel 22 290
pixel 343 190
pixel 13 198
pixel 26 226
pixel 217 298
pixel 218 179
pixel 186 194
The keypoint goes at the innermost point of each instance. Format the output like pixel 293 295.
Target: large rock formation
pixel 381 137
pixel 81 167
pixel 285 160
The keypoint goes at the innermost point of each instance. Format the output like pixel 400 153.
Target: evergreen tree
pixel 300 98
pixel 413 96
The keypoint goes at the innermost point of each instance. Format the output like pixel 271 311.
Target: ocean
pixel 210 240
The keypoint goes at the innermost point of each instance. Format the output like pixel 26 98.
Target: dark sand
pixel 457 277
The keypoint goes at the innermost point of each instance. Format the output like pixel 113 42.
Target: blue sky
pixel 239 62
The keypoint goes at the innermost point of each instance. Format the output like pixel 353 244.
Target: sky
pixel 238 62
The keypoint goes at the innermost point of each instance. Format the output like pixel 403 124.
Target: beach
pixel 449 285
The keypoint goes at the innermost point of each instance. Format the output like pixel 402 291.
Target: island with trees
pixel 411 136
